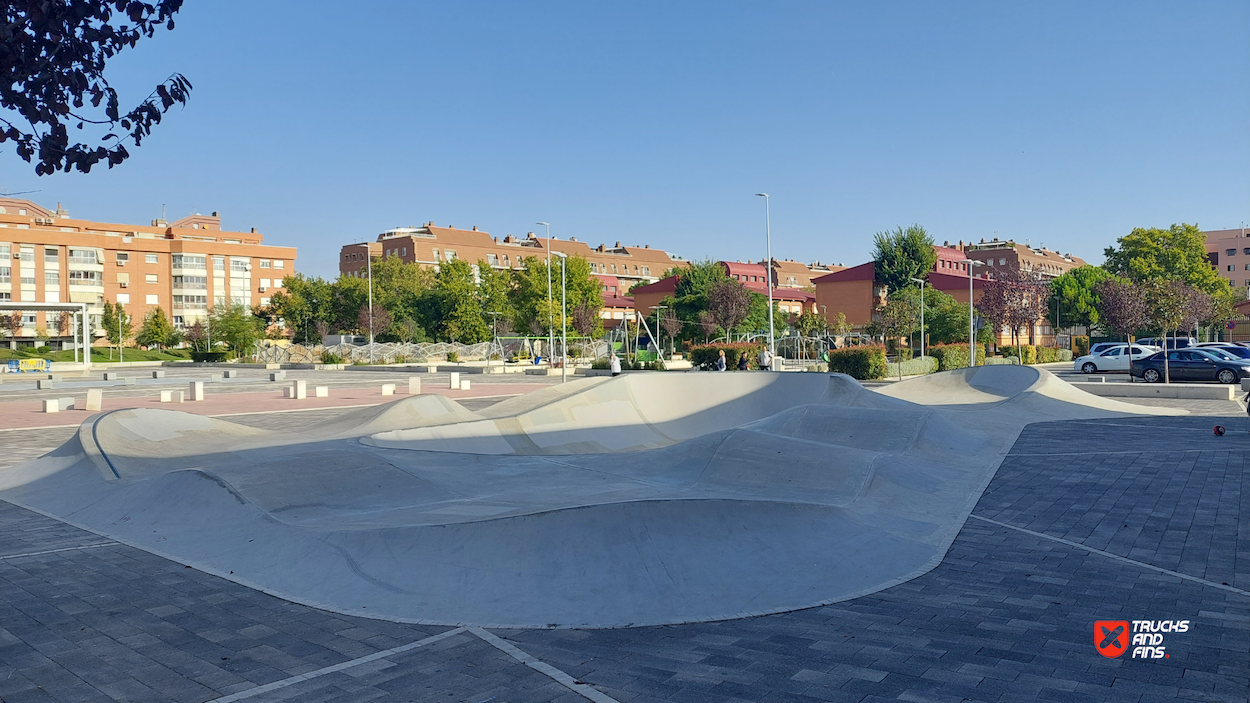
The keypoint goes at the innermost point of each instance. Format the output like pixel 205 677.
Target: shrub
pixel 213 356
pixel 1026 352
pixel 914 367
pixel 331 358
pixel 1080 345
pixel 704 355
pixel 43 350
pixel 863 363
pixel 955 356
pixel 453 357
pixel 603 363
pixel 1001 361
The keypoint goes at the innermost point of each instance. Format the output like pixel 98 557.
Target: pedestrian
pixel 1246 400
pixel 766 360
pixel 616 365
pixel 743 364
pixel 720 361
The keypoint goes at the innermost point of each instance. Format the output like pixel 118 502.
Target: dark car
pixel 1228 348
pixel 1193 365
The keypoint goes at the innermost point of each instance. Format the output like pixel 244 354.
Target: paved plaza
pixel 1139 518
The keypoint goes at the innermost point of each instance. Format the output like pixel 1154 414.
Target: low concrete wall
pixel 1190 391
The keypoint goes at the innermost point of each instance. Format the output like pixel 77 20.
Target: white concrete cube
pixel 464 385
pixel 44 384
pixel 167 396
pixel 414 385
pixel 129 381
pixel 178 396
pixel 431 368
pixel 388 389
pixel 95 399
pixel 196 391
pixel 111 375
pixel 277 376
pixel 322 391
pixel 454 382
pixel 158 374
pixel 299 390
pixel 230 374
pixel 51 406
pixel 66 403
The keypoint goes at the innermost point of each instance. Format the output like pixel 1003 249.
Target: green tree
pixel 233 325
pixel 494 289
pixel 118 324
pixel 460 317
pixel 303 302
pixel 1074 297
pixel 902 255
pixel 1178 253
pixel 896 319
pixel 156 329
pixel 689 301
pixel 529 293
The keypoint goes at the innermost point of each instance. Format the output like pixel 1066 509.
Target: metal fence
pixel 381 353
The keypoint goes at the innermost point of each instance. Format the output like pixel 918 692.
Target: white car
pixel 1113 359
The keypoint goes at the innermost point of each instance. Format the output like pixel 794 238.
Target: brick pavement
pixel 1007 616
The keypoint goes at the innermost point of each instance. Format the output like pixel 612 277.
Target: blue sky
pixel 1065 123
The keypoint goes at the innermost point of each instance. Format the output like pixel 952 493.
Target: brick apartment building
pixel 429 245
pixel 855 292
pixel 789 300
pixel 184 267
pixel 1229 252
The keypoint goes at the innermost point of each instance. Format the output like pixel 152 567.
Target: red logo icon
pixel 1111 637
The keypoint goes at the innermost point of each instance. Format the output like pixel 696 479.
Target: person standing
pixel 766 360
pixel 616 365
pixel 720 361
pixel 743 363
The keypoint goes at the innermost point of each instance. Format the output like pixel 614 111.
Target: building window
pixel 1230 252
pixel 52 278
pixel 151 278
pixel 123 257
pixel 192 282
pixel 28 280
pixel 279 264
pixel 152 299
pixel 265 301
pixel 646 270
pixel 123 298
pixel 6 274
pixel 264 263
pixel 219 263
pixel 150 259
pixel 86 278
pixel 6 296
pixel 27 254
pixel 190 261
pixel 451 255
pixel 403 251
pixel 265 283
pixel 83 256
pixel 1001 262
pixel 51 256
pixel 1232 268
pixel 492 259
pixel 190 302
pixel 239 266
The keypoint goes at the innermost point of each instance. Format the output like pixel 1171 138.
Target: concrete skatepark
pixel 645 499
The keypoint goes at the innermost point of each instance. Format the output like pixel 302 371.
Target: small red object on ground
pixel 1219 430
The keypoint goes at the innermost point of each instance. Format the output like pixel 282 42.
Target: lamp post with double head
pixel 768 272
pixel 369 268
pixel 921 281
pixel 972 333
pixel 551 332
pixel 564 325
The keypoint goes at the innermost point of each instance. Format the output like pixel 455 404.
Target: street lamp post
pixel 494 337
pixel 658 308
pixel 922 282
pixel 369 268
pixel 768 274
pixel 564 323
pixel 551 333
pixel 972 335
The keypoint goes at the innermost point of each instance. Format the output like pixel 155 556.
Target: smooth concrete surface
pixel 643 499
pixel 1192 391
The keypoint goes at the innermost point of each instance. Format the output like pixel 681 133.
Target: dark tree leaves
pixel 52 59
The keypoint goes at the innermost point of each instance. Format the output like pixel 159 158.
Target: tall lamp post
pixel 551 333
pixel 768 273
pixel 921 281
pixel 369 268
pixel 972 334
pixel 494 337
pixel 658 351
pixel 564 320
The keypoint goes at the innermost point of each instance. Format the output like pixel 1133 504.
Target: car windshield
pixel 1216 354
pixel 1239 352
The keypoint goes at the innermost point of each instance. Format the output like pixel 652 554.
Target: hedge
pixel 213 356
pixel 955 356
pixel 1027 353
pixel 1001 361
pixel 1080 345
pixel 1038 355
pixel 704 355
pixel 864 363
pixel 914 367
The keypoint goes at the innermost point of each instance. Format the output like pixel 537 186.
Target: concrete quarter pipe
pixel 640 500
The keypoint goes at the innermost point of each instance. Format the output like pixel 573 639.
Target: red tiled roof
pixel 736 268
pixel 664 285
pixel 782 293
pixel 618 301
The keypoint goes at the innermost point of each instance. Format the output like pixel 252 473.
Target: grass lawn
pixel 98 354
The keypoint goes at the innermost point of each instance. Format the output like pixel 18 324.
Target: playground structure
pixel 643 499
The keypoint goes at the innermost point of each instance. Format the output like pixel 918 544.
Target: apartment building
pixel 430 245
pixel 791 301
pixel 184 267
pixel 1229 252
pixel 1009 255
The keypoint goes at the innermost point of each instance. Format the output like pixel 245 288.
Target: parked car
pixel 1236 350
pixel 1113 359
pixel 1172 342
pixel 1104 346
pixel 1192 365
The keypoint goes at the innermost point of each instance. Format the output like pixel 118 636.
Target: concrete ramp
pixel 645 499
